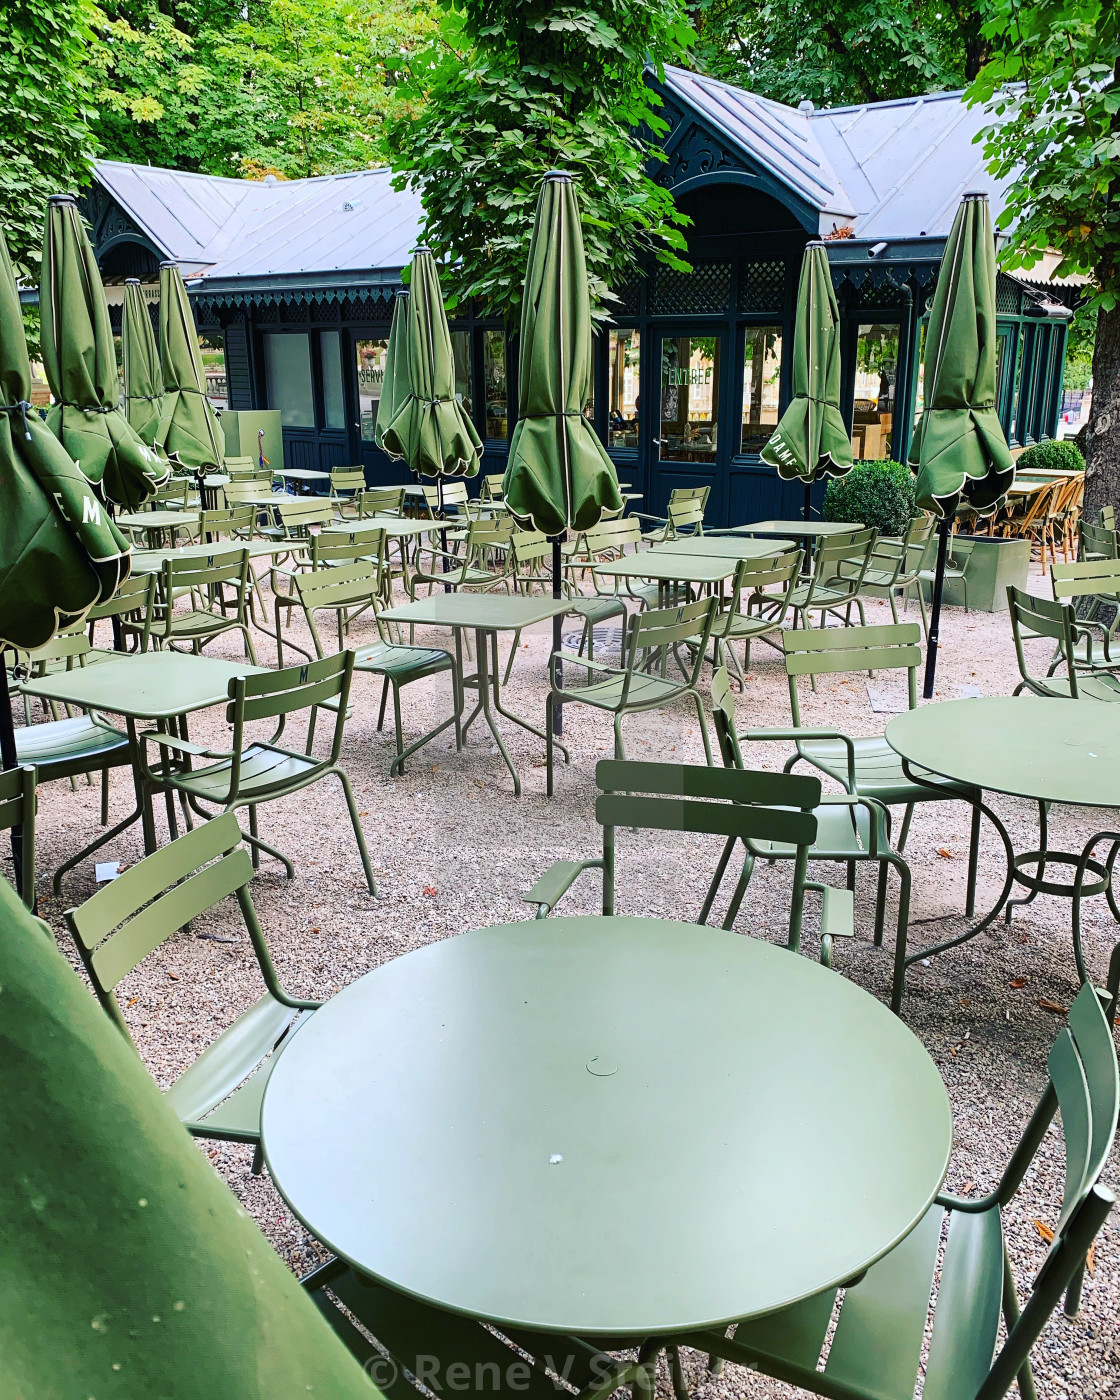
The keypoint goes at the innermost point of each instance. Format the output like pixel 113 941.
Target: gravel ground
pixel 453 849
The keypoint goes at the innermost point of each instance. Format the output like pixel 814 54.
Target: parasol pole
pixel 935 608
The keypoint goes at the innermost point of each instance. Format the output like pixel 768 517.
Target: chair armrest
pixel 837 916
pixel 583 661
pixel 657 519
pixel 798 734
pixel 555 883
pixel 169 741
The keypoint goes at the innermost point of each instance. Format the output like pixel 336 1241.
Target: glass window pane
pixel 626 353
pixel 287 360
pixel 461 354
pixel 689 397
pixel 212 348
pixel 876 377
pixel 372 356
pixel 494 371
pixel 334 405
pixel 762 382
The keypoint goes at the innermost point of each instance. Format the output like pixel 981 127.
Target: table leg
pixel 143 793
pixel 516 719
pixel 465 681
pixel 487 677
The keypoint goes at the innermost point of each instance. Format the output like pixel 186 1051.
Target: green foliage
pixel 1079 349
pixel 1063 456
pixel 844 52
pixel 45 142
pixel 515 88
pixel 1058 140
pixel 285 87
pixel 879 494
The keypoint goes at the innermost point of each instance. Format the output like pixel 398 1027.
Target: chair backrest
pixel 119 926
pixel 17 809
pixel 277 694
pixel 175 490
pixel 236 519
pixel 453 495
pixel 817 651
pixel 297 514
pixel 1106 517
pixel 1097 540
pixel 351 585
pixel 224 566
pixel 381 500
pixel 669 627
pixel 686 516
pixel 681 494
pixel 528 547
pixel 340 549
pixel 1084 1088
pixel 611 536
pixel 351 479
pixel 136 595
pixel 1093 578
pixel 240 466
pixel 781 570
pixel 68 646
pixel 240 493
pixel 492 489
pixel 1033 617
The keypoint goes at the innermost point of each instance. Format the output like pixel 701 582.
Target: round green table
pixel 606 1126
pixel 1065 751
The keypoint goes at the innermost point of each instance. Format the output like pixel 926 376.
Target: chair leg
pixel 901 931
pixel 384 698
pixel 619 747
pixel 353 808
pixel 973 863
pixel 740 890
pixel 703 727
pixel 880 903
pixel 397 727
pixel 905 829
pixel 512 654
pixel 255 837
pixel 717 880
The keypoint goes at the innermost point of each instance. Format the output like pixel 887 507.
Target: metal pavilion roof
pixel 890 170
pixel 231 231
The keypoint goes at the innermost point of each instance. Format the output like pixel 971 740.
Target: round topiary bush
pixel 880 494
pixel 1063 456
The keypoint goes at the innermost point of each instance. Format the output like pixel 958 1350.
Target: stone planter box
pixel 989 566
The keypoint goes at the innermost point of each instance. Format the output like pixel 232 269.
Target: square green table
pixel 603 1127
pixel 484 614
pixel 669 570
pixel 158 525
pixel 151 561
pixel 735 547
pixel 798 529
pixel 303 477
pixel 160 686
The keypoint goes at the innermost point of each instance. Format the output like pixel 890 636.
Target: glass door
pixel 689 445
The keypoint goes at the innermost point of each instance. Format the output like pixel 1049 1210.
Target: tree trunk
pixel 1102 432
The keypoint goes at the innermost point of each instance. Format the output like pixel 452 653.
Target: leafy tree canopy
pixel 844 52
pixel 288 87
pixel 513 88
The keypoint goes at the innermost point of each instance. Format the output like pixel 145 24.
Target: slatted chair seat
pixel 607 693
pixel 879 770
pixel 219 1094
pixel 389 659
pixel 65 748
pixel 423 1342
pixel 875 1351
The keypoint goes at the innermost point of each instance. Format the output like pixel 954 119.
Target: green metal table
pixel 158 525
pixel 1049 751
pixel 722 546
pixel 484 614
pixel 303 477
pixel 160 686
pixel 799 529
pixel 669 570
pixel 606 1126
pixel 150 561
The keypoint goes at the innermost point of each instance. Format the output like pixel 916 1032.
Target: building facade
pixel 293 286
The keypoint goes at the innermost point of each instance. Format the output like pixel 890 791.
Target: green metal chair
pixel 850 830
pixel 234 522
pixel 219 1094
pixel 1092 588
pixel 200 579
pixel 347 485
pixel 868 766
pixel 366 544
pixel 1034 618
pixel 739 805
pixel 249 773
pixel 896 563
pixel 17 813
pixel 530 564
pixel 840 564
pixel 418 1345
pixel 684 514
pixel 1096 541
pixel 873 1348
pixel 633 687
pixel 352 588
pixel 483 541
pixel 133 604
pixel 739 623
pixel 381 500
pixel 955 572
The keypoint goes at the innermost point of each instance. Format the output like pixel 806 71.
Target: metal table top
pixel 799 529
pixel 392 525
pixel 302 473
pixel 158 519
pixel 1048 750
pixel 488 612
pixel 607 1126
pixel 154 685
pixel 148 561
pixel 670 567
pixel 723 546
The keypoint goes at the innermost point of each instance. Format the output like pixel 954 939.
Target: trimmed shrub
pixel 880 494
pixel 1063 456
